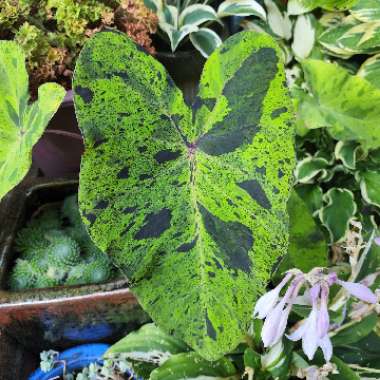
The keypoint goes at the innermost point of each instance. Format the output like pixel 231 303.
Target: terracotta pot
pixel 58 152
pixel 60 316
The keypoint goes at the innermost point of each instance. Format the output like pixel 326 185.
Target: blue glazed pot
pixel 75 359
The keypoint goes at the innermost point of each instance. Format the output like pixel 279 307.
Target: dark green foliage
pixel 55 249
pixel 189 203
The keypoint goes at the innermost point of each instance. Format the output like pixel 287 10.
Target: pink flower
pixel 358 290
pixel 266 303
pixel 377 240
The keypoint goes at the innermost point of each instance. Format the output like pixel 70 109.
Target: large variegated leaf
pixel 352 37
pixel 346 104
pixel 21 124
pixel 370 70
pixel 190 203
pixel 366 10
pixel 297 7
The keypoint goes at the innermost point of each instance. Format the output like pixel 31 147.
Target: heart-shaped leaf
pixel 190 203
pixel 21 124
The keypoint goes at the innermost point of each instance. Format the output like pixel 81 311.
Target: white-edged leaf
pixel 303 36
pixel 241 8
pixel 205 41
pixel 154 5
pixel 278 22
pixel 297 7
pixel 339 210
pixel 369 186
pixel 366 10
pixel 169 15
pixel 309 168
pixel 175 35
pixel 197 14
pixel 346 151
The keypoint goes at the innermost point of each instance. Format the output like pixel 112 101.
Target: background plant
pixel 52 32
pixel 180 21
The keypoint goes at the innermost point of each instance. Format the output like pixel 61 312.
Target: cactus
pixel 55 249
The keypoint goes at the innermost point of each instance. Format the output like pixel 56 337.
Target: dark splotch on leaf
pixel 85 93
pixel 254 189
pixel 155 224
pixel 166 155
pixel 245 101
pixel 234 240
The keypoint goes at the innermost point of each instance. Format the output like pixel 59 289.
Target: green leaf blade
pixel 176 217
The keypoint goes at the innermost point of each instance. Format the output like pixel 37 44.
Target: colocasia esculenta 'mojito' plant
pixel 189 202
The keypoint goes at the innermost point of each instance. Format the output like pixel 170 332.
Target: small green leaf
pixel 312 195
pixel 347 103
pixel 311 167
pixel 252 359
pixel 241 8
pixel 370 70
pixel 337 213
pixel 355 332
pixel 197 14
pixel 307 244
pixel 21 123
pixel 366 10
pixel 345 372
pixel 192 366
pixel 149 344
pixel 205 40
pixel 370 186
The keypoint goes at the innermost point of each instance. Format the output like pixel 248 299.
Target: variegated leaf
pixel 241 8
pixel 303 36
pixel 347 151
pixel 177 35
pixel 352 37
pixel 205 41
pixel 310 168
pixel 330 5
pixel 346 104
pixel 336 214
pixel 148 344
pixel 278 22
pixel 197 14
pixel 21 123
pixel 366 10
pixel 189 203
pixel 370 70
pixel 298 7
pixel 370 186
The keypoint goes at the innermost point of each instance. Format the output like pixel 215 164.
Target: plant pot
pixel 58 153
pixel 65 315
pixel 185 68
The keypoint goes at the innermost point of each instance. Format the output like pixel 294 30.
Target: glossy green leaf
pixel 190 204
pixel 336 214
pixel 366 10
pixel 355 332
pixel 21 123
pixel 205 41
pixel 352 37
pixel 197 14
pixel 330 5
pixel 370 186
pixel 307 245
pixel 252 359
pixel 191 366
pixel 241 8
pixel 149 344
pixel 348 104
pixel 370 70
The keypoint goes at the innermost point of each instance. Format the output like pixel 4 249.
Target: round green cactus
pixel 62 249
pixel 24 275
